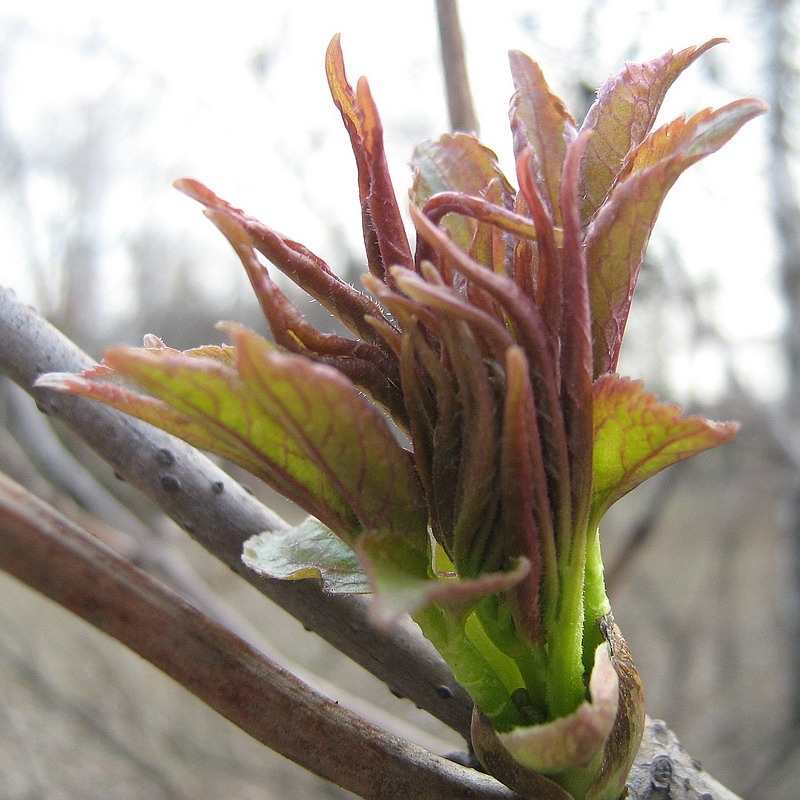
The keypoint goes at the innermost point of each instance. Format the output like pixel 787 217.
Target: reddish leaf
pixel 576 344
pixel 371 367
pixel 455 163
pixel 384 232
pixel 297 262
pixel 540 120
pixel 618 235
pixel 526 517
pixel 621 117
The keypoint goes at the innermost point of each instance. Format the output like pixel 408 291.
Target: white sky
pixel 176 79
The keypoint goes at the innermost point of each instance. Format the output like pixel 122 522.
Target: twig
pixel 460 106
pixel 54 556
pixel 220 514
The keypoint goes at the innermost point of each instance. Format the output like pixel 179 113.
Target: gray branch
pixel 57 558
pixel 221 515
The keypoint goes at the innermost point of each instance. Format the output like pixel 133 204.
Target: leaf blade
pixel 636 436
pixel 623 114
pixel 618 235
pixel 541 121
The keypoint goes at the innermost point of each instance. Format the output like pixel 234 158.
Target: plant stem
pixel 469 664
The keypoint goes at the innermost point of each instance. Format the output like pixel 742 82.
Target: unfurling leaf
pixel 623 114
pixel 540 121
pixel 617 237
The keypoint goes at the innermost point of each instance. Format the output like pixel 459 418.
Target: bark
pixel 220 515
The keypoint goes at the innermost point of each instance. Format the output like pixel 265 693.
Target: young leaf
pixel 456 163
pixel 309 550
pixel 618 235
pixel 384 233
pixel 401 586
pixel 541 121
pixel 297 262
pixel 621 117
pixel 636 437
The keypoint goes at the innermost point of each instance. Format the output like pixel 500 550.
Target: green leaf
pixel 309 550
pixel 301 427
pixel 540 120
pixel 623 114
pixel 636 436
pixel 618 235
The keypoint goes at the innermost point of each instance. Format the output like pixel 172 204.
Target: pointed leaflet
pixel 621 117
pixel 636 437
pixel 301 427
pixel 540 120
pixel 297 262
pixel 371 367
pixel 384 232
pixel 617 237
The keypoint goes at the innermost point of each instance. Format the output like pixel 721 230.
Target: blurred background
pixel 103 105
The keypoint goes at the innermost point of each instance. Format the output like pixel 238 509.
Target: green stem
pixel 566 689
pixel 470 666
pixel 497 622
pixel 595 594
pixel 595 597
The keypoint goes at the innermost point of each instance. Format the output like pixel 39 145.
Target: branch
pixel 220 514
pixel 460 106
pixel 52 555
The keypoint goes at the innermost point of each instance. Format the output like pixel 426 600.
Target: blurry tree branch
pixel 52 555
pixel 781 48
pixel 460 106
pixel 220 514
